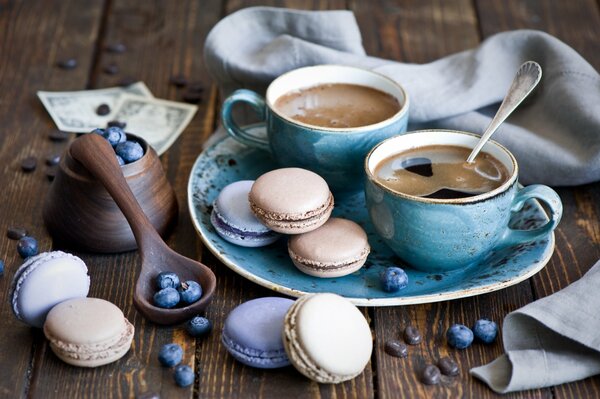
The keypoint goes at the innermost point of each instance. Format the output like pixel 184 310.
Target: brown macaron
pixel 291 200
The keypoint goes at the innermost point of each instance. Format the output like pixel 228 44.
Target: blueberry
pixel 170 355
pixel 190 291
pixel 27 246
pixel 98 131
pixel 120 160
pixel 485 330
pixel 2 272
pixel 184 376
pixel 166 298
pixel 167 280
pixel 115 135
pixel 130 151
pixel 393 279
pixel 459 336
pixel 198 326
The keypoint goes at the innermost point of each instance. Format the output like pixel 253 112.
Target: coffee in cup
pixel 441 171
pixel 338 105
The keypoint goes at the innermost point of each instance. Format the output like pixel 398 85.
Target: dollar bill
pixel 75 111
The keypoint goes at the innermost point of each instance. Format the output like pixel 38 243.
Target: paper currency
pixel 160 122
pixel 75 111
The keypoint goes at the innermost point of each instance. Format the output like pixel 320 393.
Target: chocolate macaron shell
pixel 291 200
pixel 337 248
pixel 327 338
pixel 44 281
pixel 88 332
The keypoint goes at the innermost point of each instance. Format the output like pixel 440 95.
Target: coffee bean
pixel 58 135
pixel 51 173
pixel 127 81
pixel 448 366
pixel 412 336
pixel 431 375
pixel 52 160
pixel 396 348
pixel 69 63
pixel 14 232
pixel 103 109
pixel 116 48
pixel 111 69
pixel 29 164
pixel 192 97
pixel 116 124
pixel 178 80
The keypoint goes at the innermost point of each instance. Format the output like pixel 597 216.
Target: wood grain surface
pixel 165 38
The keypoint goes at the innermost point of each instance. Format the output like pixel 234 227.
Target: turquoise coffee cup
pixel 337 154
pixel 445 234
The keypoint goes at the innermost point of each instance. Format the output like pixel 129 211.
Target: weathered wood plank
pixel 163 38
pixel 30 46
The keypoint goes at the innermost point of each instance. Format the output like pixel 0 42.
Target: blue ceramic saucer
pixel 227 161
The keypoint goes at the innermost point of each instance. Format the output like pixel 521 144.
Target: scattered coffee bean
pixel 127 81
pixel 52 160
pixel 178 80
pixel 412 336
pixel 116 124
pixel 15 232
pixel 396 348
pixel 69 63
pixel 192 97
pixel 116 48
pixel 29 164
pixel 103 109
pixel 58 135
pixel 111 69
pixel 431 375
pixel 448 366
pixel 51 173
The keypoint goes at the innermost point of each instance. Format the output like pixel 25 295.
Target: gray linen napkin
pixel 551 341
pixel 555 134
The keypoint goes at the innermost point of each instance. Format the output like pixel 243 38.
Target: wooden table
pixel 165 38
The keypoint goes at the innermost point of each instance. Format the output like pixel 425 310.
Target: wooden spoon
pixel 98 157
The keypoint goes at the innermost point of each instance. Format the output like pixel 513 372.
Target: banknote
pixel 75 111
pixel 159 122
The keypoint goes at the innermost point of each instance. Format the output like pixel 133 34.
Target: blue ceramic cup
pixel 444 234
pixel 337 154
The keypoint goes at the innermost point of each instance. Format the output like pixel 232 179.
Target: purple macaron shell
pixel 252 332
pixel 234 221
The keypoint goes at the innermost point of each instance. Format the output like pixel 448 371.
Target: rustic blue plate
pixel 227 161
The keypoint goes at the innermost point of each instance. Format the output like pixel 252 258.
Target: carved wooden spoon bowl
pixel 98 157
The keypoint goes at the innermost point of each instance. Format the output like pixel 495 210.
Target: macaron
pixel 337 248
pixel 291 200
pixel 252 332
pixel 46 280
pixel 234 221
pixel 88 332
pixel 327 338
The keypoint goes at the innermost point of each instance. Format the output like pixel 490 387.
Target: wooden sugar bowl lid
pixel 79 213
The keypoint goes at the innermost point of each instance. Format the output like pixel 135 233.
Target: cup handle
pixel 233 129
pixel 539 192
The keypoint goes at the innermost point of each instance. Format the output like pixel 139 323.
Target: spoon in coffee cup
pixel 527 77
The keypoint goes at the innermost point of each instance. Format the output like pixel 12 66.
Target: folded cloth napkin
pixel 551 341
pixel 555 134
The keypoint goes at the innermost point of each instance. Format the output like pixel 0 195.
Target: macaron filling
pixel 320 265
pixel 272 358
pixel 237 232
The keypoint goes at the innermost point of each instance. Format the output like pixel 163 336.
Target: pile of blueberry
pixel 127 151
pixel 171 292
pixel 171 355
pixel 461 337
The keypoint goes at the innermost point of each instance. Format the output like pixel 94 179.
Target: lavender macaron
pixel 252 332
pixel 234 221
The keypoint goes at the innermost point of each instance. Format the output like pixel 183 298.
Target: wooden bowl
pixel 79 213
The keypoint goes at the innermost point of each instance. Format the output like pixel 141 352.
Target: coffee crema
pixel 338 105
pixel 441 171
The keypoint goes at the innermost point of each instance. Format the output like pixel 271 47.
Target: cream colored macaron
pixel 88 332
pixel 327 338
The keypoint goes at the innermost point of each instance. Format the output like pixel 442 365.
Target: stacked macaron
pixel 297 202
pixel 323 336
